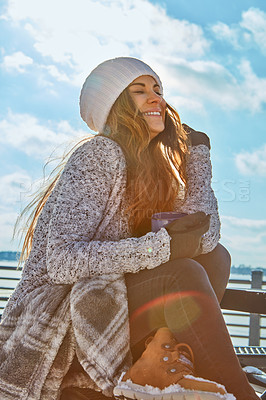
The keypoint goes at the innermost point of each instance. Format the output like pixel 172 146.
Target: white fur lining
pixel 175 388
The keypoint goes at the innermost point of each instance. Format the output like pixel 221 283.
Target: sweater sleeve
pixel 85 187
pixel 200 195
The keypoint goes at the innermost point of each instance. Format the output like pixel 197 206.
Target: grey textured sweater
pixel 72 295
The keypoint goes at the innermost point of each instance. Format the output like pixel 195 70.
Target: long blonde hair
pixel 152 167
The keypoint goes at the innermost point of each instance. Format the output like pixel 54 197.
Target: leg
pixel 217 264
pixel 178 294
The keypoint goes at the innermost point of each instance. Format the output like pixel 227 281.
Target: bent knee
pixel 224 254
pixel 223 259
pixel 195 269
pixel 188 269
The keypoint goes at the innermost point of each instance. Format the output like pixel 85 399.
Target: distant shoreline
pixel 9 255
pixel 241 269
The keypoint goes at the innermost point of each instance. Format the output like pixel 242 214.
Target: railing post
pixel 254 321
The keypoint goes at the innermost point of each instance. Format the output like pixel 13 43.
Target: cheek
pixel 138 102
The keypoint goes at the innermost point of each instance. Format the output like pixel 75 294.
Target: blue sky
pixel 210 57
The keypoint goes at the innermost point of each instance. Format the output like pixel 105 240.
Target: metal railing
pixel 7 283
pixel 252 326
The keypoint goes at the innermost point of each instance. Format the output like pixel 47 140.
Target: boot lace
pixel 186 356
pixel 180 358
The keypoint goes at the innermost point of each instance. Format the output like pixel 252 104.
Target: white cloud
pixel 245 239
pixel 25 133
pixel 244 222
pixel 254 21
pixel 250 31
pixel 12 187
pixel 54 72
pixel 182 103
pixel 83 33
pixel 16 62
pixel 15 191
pixel 89 32
pixel 246 249
pixel 227 33
pixel 253 89
pixel 208 81
pixel 7 222
pixel 252 163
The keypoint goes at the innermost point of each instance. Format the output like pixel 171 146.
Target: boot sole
pixel 135 393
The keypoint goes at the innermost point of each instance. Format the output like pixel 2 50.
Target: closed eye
pixel 141 92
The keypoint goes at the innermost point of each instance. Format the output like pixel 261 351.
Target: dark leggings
pixel 182 295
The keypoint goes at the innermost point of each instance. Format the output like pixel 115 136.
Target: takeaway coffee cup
pixel 159 220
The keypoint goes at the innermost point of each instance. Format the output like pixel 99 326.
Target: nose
pixel 154 97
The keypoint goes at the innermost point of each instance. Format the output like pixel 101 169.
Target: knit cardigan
pixel 72 296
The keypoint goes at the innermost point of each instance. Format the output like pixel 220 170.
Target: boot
pixel 168 369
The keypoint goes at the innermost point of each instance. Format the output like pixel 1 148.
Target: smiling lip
pixel 152 113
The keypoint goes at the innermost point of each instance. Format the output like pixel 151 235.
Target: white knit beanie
pixel 104 85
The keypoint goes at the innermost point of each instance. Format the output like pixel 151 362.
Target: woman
pixel 93 261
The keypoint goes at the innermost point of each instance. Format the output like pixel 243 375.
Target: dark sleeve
pixel 197 137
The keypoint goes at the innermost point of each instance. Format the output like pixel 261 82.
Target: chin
pixel 157 130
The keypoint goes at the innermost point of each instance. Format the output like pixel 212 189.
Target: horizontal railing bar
pixel 238 314
pixel 245 336
pixel 233 280
pixel 10 268
pixel 239 336
pixel 251 301
pixel 8 278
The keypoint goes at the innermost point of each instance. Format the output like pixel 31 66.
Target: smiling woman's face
pixel 145 92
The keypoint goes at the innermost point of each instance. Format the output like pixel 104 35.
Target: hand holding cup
pixel 186 234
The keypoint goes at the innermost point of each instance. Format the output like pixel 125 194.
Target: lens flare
pixel 177 310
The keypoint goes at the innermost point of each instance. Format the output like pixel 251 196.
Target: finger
pixel 188 227
pixel 204 227
pixel 186 222
pixel 194 218
pixel 203 223
pixel 196 231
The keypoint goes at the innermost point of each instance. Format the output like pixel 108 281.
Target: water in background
pixel 236 319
